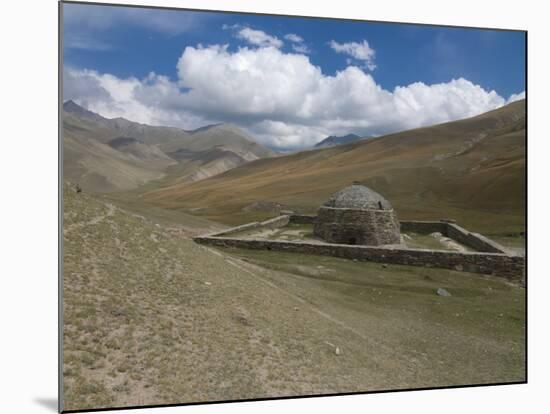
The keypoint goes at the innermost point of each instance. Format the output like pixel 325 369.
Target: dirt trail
pixel 111 209
pixel 325 315
pixel 256 271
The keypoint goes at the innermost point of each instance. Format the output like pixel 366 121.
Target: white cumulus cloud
pixel 281 98
pixel 154 100
pixel 293 37
pixel 259 38
pixel 360 51
pixel 297 43
pixel 516 97
pixel 301 48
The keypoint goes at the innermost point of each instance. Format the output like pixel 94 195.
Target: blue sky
pixel 160 67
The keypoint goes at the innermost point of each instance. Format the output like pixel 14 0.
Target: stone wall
pixel 491 258
pixel 273 223
pixel 473 240
pixel 302 219
pixel 357 226
pixel 424 227
pixel 505 265
pixel 237 229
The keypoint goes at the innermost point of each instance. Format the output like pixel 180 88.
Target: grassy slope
pixel 471 170
pixel 98 167
pixel 152 318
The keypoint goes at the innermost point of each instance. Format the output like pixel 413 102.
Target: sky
pixel 288 81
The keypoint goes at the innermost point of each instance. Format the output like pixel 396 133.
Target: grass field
pixel 150 317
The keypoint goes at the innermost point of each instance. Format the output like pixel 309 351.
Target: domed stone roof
pixel 358 197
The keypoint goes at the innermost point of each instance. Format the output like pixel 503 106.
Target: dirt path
pixel 111 209
pixel 255 271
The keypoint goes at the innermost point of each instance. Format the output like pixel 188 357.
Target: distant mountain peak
pixel 72 107
pixel 204 128
pixel 70 104
pixel 333 140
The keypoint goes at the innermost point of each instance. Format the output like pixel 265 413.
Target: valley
pixel 150 317
pixel 471 170
pixel 145 308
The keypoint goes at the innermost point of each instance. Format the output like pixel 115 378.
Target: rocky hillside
pixel 105 155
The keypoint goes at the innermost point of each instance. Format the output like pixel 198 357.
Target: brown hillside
pixel 472 170
pixel 106 155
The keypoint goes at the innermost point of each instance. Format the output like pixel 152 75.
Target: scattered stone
pixel 443 292
pixel 207 283
pixel 448 243
pixel 119 312
pixel 243 320
pixel 295 308
pixel 337 350
pixel 384 266
pixel 78 189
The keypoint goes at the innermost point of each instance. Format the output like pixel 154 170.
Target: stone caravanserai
pixel 358 223
pixel 357 215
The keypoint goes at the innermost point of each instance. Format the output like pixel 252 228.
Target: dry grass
pixel 152 318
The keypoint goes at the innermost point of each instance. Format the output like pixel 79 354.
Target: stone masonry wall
pixel 276 222
pixel 273 223
pixel 473 240
pixel 476 241
pixel 508 266
pixel 237 229
pixel 357 226
pixel 424 227
pixel 302 219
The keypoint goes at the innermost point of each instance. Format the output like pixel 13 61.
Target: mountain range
pixel 472 170
pixel 333 140
pixel 106 155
